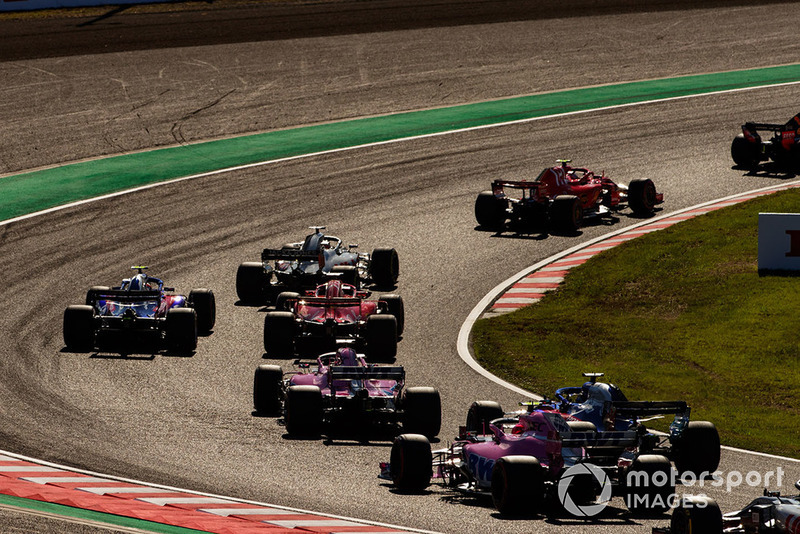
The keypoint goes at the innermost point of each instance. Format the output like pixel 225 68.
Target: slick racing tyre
pixel 381 338
pixel 384 267
pixel 348 274
pixel 490 211
pixel 303 411
pixel 697 449
pixel 411 462
pixel 566 214
pixel 649 485
pixel 279 332
pixel 79 327
pixel 696 514
pixel 91 295
pixel 642 197
pixel 267 389
pixel 395 306
pixel 518 485
pixel 181 330
pixel 745 154
pixel 581 426
pixel 480 414
pixel 251 282
pixel 205 304
pixel 282 300
pixel 422 411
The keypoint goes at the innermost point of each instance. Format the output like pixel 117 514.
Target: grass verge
pixel 681 313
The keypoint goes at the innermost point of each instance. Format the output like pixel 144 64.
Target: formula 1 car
pixel 560 198
pixel 304 265
pixel 530 459
pixel 333 314
pixel 748 149
pixel 341 387
pixel 141 309
pixel 693 445
pixel 769 514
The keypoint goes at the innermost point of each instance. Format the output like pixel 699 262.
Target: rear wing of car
pixel 499 185
pixel 123 295
pixel 328 302
pixel 356 372
pixel 647 408
pixel 290 254
pixel 598 440
pixel 764 126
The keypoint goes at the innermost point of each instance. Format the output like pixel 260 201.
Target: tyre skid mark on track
pixel 31 479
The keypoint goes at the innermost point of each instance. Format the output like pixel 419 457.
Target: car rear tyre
pixel 649 485
pixel 381 338
pixel 517 485
pixel 267 389
pixel 411 462
pixel 697 450
pixel 642 197
pixel 566 214
pixel 79 327
pixel 481 413
pixel 303 411
pixel 581 426
pixel 395 306
pixel 384 267
pixel 422 411
pixel 251 282
pixel 91 295
pixel 283 298
pixel 279 332
pixel 205 304
pixel 745 154
pixel 490 211
pixel 181 329
pixel 348 274
pixel 696 514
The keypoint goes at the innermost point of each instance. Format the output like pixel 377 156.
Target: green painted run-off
pixel 34 191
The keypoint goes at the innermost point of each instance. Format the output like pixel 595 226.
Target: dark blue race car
pixel 693 445
pixel 140 310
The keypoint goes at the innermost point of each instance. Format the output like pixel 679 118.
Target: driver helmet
pixel 347 356
pixel 138 283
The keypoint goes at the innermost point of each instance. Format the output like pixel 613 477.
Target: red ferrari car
pixel 333 314
pixel 560 198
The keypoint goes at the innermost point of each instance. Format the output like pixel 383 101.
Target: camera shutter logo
pixel 586 510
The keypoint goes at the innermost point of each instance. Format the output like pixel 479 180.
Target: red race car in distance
pixel 560 198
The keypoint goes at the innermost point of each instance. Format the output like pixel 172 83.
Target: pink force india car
pixel 535 458
pixel 560 198
pixel 771 513
pixel 342 388
pixel 334 314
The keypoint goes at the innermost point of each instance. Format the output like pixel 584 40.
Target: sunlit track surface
pixel 187 422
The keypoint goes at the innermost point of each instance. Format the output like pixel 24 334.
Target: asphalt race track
pixel 187 422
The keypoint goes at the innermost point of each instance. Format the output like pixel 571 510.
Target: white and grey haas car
pixel 308 263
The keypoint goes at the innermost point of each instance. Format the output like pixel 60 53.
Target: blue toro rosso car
pixel 141 310
pixel 693 446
